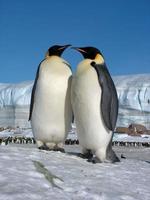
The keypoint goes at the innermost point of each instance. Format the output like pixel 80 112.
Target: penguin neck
pixel 47 56
pixel 83 66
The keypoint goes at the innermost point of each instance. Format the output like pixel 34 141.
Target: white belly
pixel 51 116
pixel 86 97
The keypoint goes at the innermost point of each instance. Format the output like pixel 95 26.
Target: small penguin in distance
pixel 50 108
pixel 95 106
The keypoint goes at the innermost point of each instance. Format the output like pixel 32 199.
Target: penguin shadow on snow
pixel 89 157
pixel 79 155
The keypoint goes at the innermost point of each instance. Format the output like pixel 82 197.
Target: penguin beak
pixel 82 51
pixel 64 47
pixel 79 49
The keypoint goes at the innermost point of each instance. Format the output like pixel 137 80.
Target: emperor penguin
pixel 95 106
pixel 50 108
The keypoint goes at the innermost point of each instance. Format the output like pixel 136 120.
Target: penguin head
pixel 56 50
pixel 91 53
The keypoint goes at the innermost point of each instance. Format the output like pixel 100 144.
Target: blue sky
pixel 119 28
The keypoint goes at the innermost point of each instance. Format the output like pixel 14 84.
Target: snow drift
pixel 133 93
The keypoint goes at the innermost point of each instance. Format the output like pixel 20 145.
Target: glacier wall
pixel 133 93
pixel 14 104
pixel 134 99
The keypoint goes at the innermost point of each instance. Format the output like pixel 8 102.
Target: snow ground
pixel 22 177
pixel 77 179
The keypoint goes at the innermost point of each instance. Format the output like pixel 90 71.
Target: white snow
pixel 16 132
pixel 20 180
pixel 127 138
pixel 76 178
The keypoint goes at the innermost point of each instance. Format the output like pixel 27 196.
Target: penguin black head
pixel 90 53
pixel 56 50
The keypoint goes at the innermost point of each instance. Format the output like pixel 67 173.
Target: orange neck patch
pixel 99 58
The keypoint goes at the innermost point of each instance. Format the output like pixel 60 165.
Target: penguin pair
pixel 91 95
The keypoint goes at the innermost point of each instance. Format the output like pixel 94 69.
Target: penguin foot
pixel 87 155
pixel 94 160
pixel 44 147
pixel 56 148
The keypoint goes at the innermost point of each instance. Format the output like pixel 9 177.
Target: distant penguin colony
pixel 50 108
pixel 90 93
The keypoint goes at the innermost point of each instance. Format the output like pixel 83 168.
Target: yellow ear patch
pixel 99 59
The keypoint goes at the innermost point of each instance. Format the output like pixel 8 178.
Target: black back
pixel 33 91
pixel 109 99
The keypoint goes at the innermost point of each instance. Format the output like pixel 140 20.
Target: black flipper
pixel 33 92
pixel 109 99
pixel 67 65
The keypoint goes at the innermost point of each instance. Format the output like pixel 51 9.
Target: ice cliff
pixel 133 93
pixel 134 99
pixel 14 104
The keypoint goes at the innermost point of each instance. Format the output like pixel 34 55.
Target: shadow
pixel 75 154
pixel 147 162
